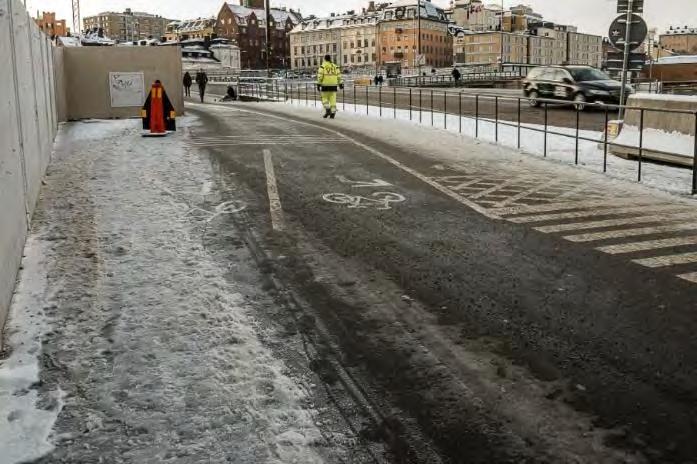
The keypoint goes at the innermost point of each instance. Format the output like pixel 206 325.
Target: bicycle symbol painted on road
pixel 379 200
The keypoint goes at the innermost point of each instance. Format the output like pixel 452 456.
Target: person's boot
pixel 327 113
pixel 332 116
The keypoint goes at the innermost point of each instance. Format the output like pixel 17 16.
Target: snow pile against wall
pixel 27 105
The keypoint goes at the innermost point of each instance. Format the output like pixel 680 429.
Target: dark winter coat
pixel 201 79
pixel 187 80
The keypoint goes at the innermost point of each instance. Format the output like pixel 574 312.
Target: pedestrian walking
pixel 202 81
pixel 380 80
pixel 188 81
pixel 329 81
pixel 456 75
pixel 377 80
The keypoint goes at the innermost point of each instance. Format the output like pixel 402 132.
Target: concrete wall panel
pixel 87 77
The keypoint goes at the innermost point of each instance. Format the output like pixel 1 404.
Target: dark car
pixel 579 84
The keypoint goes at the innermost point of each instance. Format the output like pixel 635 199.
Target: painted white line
pixel 526 193
pixel 649 245
pixel 464 185
pixel 559 206
pixel 274 200
pixel 672 260
pixel 496 188
pixel 598 212
pixel 444 190
pixel 692 277
pixel 270 142
pixel 617 222
pixel 592 237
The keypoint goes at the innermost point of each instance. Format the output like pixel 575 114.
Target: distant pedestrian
pixel 456 75
pixel 329 81
pixel 377 80
pixel 202 81
pixel 380 80
pixel 188 81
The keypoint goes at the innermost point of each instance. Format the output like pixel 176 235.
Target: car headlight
pixel 598 92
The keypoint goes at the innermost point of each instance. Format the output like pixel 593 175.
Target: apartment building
pixel 584 49
pixel 492 48
pixel 201 28
pixel 244 24
pixel 51 26
pixel 679 41
pixel 398 36
pixel 128 26
pixel 350 39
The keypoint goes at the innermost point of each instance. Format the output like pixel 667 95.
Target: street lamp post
pixel 418 32
pixel 269 22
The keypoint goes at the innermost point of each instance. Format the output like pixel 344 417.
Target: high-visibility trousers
pixel 329 101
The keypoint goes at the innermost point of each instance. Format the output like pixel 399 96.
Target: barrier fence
pixel 491 111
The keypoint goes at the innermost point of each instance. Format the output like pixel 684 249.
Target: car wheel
pixel 533 99
pixel 580 102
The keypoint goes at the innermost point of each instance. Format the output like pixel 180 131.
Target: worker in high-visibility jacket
pixel 328 83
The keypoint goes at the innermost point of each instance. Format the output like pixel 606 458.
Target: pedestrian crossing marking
pixel 671 260
pixel 649 245
pixel 615 222
pixel 624 233
pixel 557 206
pixel 596 212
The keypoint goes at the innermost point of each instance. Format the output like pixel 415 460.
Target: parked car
pixel 579 84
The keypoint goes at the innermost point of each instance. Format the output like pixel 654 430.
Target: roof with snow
pixel 332 22
pixel 679 59
pixel 280 16
pixel 428 10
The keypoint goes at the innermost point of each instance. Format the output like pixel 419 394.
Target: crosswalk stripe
pixel 464 185
pixel 649 245
pixel 567 205
pixel 616 222
pixel 671 260
pixel 269 142
pixel 691 277
pixel 592 237
pixel 597 212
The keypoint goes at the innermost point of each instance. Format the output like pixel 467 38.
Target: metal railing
pixel 421 102
pixel 450 81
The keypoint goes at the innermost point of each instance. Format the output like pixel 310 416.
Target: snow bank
pixel 25 425
pixel 675 143
pixel 665 97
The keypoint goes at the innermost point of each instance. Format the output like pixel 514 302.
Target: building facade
pixel 244 24
pixel 51 26
pixel 201 28
pixel 584 49
pixel 493 48
pixel 679 41
pixel 128 26
pixel 350 39
pixel 398 38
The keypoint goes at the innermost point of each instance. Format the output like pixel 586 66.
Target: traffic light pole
pixel 418 38
pixel 269 21
pixel 625 62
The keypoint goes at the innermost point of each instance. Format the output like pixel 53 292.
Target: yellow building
pixel 201 28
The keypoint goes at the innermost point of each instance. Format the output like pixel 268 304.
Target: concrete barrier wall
pixel 87 77
pixel 667 122
pixel 29 125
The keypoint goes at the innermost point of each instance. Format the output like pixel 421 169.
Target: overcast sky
pixel 592 16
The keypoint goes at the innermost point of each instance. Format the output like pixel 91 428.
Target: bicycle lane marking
pixel 444 190
pixel 275 208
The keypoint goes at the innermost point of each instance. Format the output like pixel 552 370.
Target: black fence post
pixel 354 97
pixel 431 107
pixel 496 119
pixel 343 98
pixel 519 122
pixel 607 120
pixel 694 162
pixel 476 116
pixel 546 125
pixel 394 101
pixel 420 105
pixel 315 96
pixel 307 96
pixel 410 103
pixel 380 99
pixel 459 112
pixel 445 110
pixel 578 124
pixel 367 108
pixel 641 142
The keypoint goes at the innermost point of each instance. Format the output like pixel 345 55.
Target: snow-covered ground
pixel 129 341
pixel 561 147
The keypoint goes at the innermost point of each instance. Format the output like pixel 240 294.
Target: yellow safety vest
pixel 329 76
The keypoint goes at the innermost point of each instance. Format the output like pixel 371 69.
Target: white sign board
pixel 126 89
